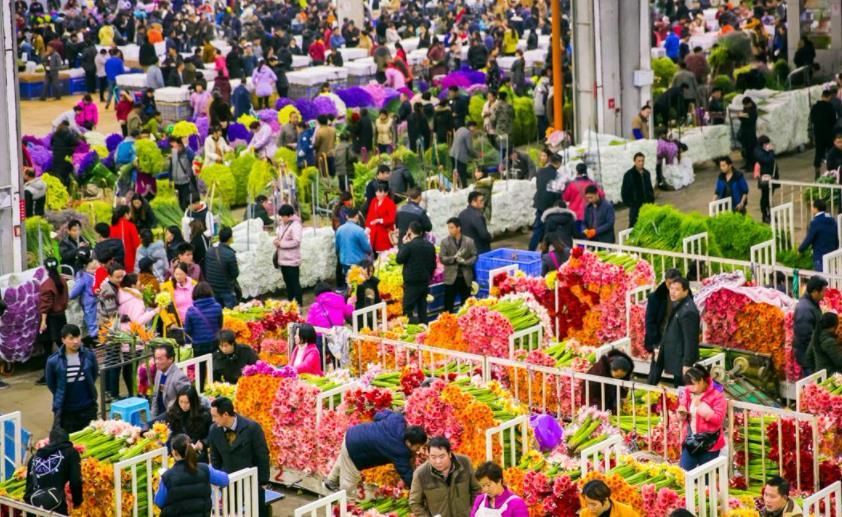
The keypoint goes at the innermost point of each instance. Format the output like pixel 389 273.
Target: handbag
pixel 700 443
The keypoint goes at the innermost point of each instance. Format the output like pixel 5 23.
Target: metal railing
pixel 764 257
pixel 329 400
pixel 324 507
pixel 827 502
pixel 697 245
pixel 816 378
pixel 832 267
pixel 706 488
pixel 802 194
pixel 783 226
pixel 150 462
pixel 16 455
pixel 719 206
pixel 516 433
pixel 202 370
pixel 599 456
pixel 528 339
pixel 239 498
pixel 769 416
pixel 392 354
pixel 371 317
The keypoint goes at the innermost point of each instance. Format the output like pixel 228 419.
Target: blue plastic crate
pixel 77 85
pixel 437 305
pixel 31 91
pixel 527 261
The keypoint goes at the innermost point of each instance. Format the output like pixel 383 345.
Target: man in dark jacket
pixel 822 234
pixel 458 106
pixel 412 211
pixel 418 257
pixel 680 345
pixel 362 133
pixel 49 470
pixel 825 352
pixel 805 320
pixel 543 198
pixel 238 443
pixel 231 358
pixel 658 310
pixel 385 440
pixel 473 222
pixel 221 270
pixel 823 119
pixel 71 376
pixel 637 188
pixel 834 156
pixel 521 165
pixel 64 141
pixel 599 216
pixel 477 54
pixel 616 364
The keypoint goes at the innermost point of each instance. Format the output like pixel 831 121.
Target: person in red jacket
pixel 703 408
pixel 381 219
pixel 124 229
pixel 317 52
pixel 123 108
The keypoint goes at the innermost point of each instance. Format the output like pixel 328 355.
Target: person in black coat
pixel 477 54
pixel 362 133
pixel 543 198
pixel 418 128
pixel 64 142
pixel 106 248
pixel 823 119
pixel 680 344
pixel 190 415
pixel 616 364
pixel 806 319
pixel 473 222
pixel 185 489
pixel 747 134
pixel 231 358
pixel 221 269
pixel 412 211
pixel 458 106
pixel 237 443
pixel 560 220
pixel 49 470
pixel 418 257
pixel 657 312
pixel 637 188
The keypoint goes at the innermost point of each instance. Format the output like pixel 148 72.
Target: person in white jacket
pixel 216 147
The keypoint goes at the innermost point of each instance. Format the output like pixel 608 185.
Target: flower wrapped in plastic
pixel 356 97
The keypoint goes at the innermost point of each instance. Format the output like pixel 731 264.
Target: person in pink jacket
pixel 574 192
pixel 88 114
pixel 263 79
pixel 703 407
pixel 132 309
pixel 305 356
pixel 329 309
pixel 288 243
pixel 496 498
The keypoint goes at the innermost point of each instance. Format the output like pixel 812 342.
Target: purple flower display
pixel 108 161
pixel 41 157
pixel 112 141
pixel 281 102
pixel 355 97
pixel 163 145
pixel 422 86
pixel 202 124
pixel 193 142
pixel 306 108
pixel 237 131
pixel 462 78
pixel 20 322
pixel 47 140
pixel 325 106
pixel 31 140
pixel 84 163
pixel 270 116
pixel 82 147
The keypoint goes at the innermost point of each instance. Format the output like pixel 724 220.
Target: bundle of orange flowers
pixel 98 491
pixel 444 332
pixel 475 417
pixel 241 330
pixel 254 398
pixel 367 352
pixel 760 328
pixel 384 476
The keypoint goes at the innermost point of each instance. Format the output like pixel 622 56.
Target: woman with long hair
pixel 172 239
pixel 702 407
pixel 53 303
pixel 199 241
pixel 188 415
pixel 185 489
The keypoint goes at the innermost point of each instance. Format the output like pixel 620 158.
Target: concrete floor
pixel 34 401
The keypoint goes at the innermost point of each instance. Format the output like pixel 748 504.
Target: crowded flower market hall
pixel 516 258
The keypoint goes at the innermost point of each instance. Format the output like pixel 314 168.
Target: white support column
pixel 12 256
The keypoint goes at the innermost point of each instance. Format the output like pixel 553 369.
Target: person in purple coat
pixel 263 79
pixel 496 500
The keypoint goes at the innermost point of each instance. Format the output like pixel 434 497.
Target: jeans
pixel 102 82
pixel 459 287
pixel 52 86
pixel 227 300
pixel 537 231
pixel 688 462
pixel 415 299
pixel 291 276
pixel 111 93
pixel 542 127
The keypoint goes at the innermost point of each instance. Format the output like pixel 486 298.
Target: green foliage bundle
pixel 150 159
pixel 441 157
pixel 49 246
pixel 261 175
pixel 166 210
pixel 664 70
pixel 219 179
pixel 526 126
pixel 724 83
pixel 363 173
pixel 287 155
pixel 57 196
pixel 240 169
pixel 475 109
pixel 97 211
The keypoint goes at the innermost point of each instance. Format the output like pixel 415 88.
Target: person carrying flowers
pixel 386 440
pixel 703 407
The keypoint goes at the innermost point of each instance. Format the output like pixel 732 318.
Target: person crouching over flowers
pixel 185 489
pixel 496 499
pixel 597 502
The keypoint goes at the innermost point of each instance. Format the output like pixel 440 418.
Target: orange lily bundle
pixel 241 330
pixel 760 328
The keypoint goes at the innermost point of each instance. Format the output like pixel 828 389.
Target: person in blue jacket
pixel 83 288
pixel 203 320
pixel 822 234
pixel 71 376
pixel 731 183
pixel 672 46
pixel 599 217
pixel 385 440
